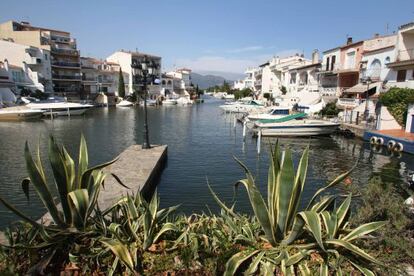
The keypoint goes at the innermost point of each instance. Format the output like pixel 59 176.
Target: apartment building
pixel 130 63
pixel 403 64
pixel 64 56
pixel 100 76
pixel 181 81
pixel 304 75
pixel 29 66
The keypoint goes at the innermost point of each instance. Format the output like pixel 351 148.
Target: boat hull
pixel 21 116
pixel 299 130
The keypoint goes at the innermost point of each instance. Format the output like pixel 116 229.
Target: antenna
pixel 386 28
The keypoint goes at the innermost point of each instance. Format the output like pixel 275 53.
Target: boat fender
pixel 398 147
pixel 380 141
pixel 373 140
pixel 391 144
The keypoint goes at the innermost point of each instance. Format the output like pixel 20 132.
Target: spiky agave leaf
pixel 236 260
pixel 121 251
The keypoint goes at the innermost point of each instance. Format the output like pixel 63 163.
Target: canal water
pixel 202 143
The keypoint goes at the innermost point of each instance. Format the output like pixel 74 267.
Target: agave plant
pixel 77 191
pixel 135 225
pixel 283 224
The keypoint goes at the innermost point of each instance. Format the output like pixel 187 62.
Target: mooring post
pixel 244 130
pixel 259 139
pixel 234 121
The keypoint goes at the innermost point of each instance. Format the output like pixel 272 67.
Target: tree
pixel 121 84
pixel 226 86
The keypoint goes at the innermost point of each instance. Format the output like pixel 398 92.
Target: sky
pixel 212 35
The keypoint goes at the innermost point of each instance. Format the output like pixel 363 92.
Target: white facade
pixel 282 76
pixel 403 64
pixel 31 65
pixel 409 126
pixel 239 85
pixel 126 60
pixel 328 77
pixel 181 81
pixel 378 52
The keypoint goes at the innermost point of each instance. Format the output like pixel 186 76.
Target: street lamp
pixel 145 69
pixel 366 81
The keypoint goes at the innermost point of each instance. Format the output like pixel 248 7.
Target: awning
pixel 362 88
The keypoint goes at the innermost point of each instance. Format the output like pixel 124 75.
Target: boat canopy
pixel 283 119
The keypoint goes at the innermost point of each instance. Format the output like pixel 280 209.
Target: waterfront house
pixel 328 75
pixel 403 64
pixel 239 85
pixel 31 66
pixel 130 63
pixel 64 56
pixel 281 75
pixel 100 76
pixel 249 79
pixel 181 81
pixel 304 75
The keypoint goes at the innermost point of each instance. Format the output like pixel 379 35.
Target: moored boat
pixel 247 107
pixel 19 114
pixel 295 128
pixel 124 103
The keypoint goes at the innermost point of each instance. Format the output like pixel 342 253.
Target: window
pixel 375 69
pixel 45 56
pixel 327 64
pixel 333 63
pixel 387 60
pixel 350 60
pixel 401 75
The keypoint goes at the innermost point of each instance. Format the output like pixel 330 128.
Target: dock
pixel 358 130
pixel 406 139
pixel 138 169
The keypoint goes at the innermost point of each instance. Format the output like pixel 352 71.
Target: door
pixel 401 74
pixel 412 124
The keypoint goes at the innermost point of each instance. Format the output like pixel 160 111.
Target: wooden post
pixel 244 130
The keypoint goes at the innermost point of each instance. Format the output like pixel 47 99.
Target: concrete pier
pixel 358 130
pixel 137 168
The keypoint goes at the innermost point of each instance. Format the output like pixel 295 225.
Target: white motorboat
pixel 124 103
pixel 57 107
pixel 150 102
pixel 169 102
pixel 295 128
pixel 184 101
pixel 274 113
pixel 19 113
pixel 247 107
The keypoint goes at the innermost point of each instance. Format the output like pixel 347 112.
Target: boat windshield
pixel 278 111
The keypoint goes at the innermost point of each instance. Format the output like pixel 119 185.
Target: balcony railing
pixel 34 61
pixel 66 77
pixel 70 52
pixel 88 78
pixel 66 64
pixel 67 89
pixel 349 102
pixel 405 55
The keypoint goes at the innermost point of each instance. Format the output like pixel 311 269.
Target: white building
pixel 239 85
pixel 182 84
pixel 30 66
pixel 282 77
pixel 99 76
pixel 130 63
pixel 249 79
pixel 328 76
pixel 304 77
pixel 403 63
pixel 377 53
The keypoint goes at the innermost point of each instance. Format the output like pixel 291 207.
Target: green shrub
pixel 330 109
pixel 397 101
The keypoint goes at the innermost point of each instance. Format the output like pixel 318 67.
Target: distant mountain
pixel 206 81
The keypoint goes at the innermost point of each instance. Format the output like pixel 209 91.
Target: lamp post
pixel 146 70
pixel 366 81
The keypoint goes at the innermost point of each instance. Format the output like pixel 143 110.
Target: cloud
pixel 245 49
pixel 229 64
pixel 216 63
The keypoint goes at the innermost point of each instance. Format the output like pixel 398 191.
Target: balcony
pixel 405 55
pixel 34 61
pixel 67 89
pixel 331 67
pixel 67 77
pixel 328 91
pixel 63 39
pixel 66 64
pixel 88 79
pixel 67 52
pixel 348 102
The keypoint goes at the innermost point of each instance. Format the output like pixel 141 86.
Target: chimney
pixel 349 40
pixel 376 35
pixel 315 56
